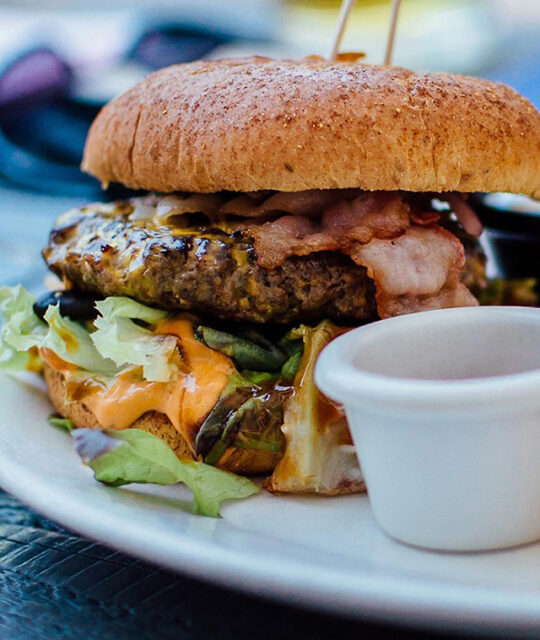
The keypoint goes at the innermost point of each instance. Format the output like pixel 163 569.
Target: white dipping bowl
pixel 444 411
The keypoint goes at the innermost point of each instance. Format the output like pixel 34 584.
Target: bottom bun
pixel 242 461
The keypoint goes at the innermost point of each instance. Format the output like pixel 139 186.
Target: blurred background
pixel 60 61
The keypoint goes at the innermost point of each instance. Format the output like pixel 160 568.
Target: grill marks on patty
pixel 205 270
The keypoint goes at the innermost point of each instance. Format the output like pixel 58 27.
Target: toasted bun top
pixel 251 124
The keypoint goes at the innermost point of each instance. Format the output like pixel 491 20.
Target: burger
pixel 280 204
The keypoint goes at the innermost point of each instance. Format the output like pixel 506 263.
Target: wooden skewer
pixel 392 32
pixel 346 8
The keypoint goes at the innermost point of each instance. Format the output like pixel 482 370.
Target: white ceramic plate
pixel 326 553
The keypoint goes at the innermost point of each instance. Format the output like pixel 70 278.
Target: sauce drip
pixel 186 399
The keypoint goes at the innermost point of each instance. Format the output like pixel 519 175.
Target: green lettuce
pixel 65 424
pixel 72 342
pixel 120 337
pixel 134 455
pixel 249 412
pixel 23 332
pixel 521 292
pixel 248 351
pixel 21 328
pixel 246 416
pixel 116 340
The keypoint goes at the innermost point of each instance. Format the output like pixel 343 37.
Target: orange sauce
pixel 186 399
pixel 56 362
pixel 69 340
pixel 208 370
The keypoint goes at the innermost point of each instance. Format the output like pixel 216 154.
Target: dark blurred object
pixel 520 293
pixel 75 305
pixel 170 44
pixel 512 227
pixel 43 128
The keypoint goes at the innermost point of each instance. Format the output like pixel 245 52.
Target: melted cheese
pixel 186 400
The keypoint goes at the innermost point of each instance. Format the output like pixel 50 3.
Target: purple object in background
pixel 43 125
pixel 34 78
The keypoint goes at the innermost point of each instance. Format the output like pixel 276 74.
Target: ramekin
pixel 444 411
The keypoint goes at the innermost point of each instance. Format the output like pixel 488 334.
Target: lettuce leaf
pixel 134 455
pixel 292 364
pixel 21 328
pixel 70 341
pixel 12 361
pixel 251 351
pixel 126 342
pixel 58 421
pixel 319 456
pixel 22 331
pixel 247 415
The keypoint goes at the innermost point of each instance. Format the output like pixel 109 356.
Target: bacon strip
pixel 425 218
pixel 415 264
pixel 464 213
pixel 302 203
pixel 416 271
pixel 174 205
pixel 382 215
pixel 288 236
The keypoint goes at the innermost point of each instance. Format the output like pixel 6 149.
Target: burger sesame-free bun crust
pixel 251 124
pixel 238 460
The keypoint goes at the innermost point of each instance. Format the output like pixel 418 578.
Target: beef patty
pixel 204 269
